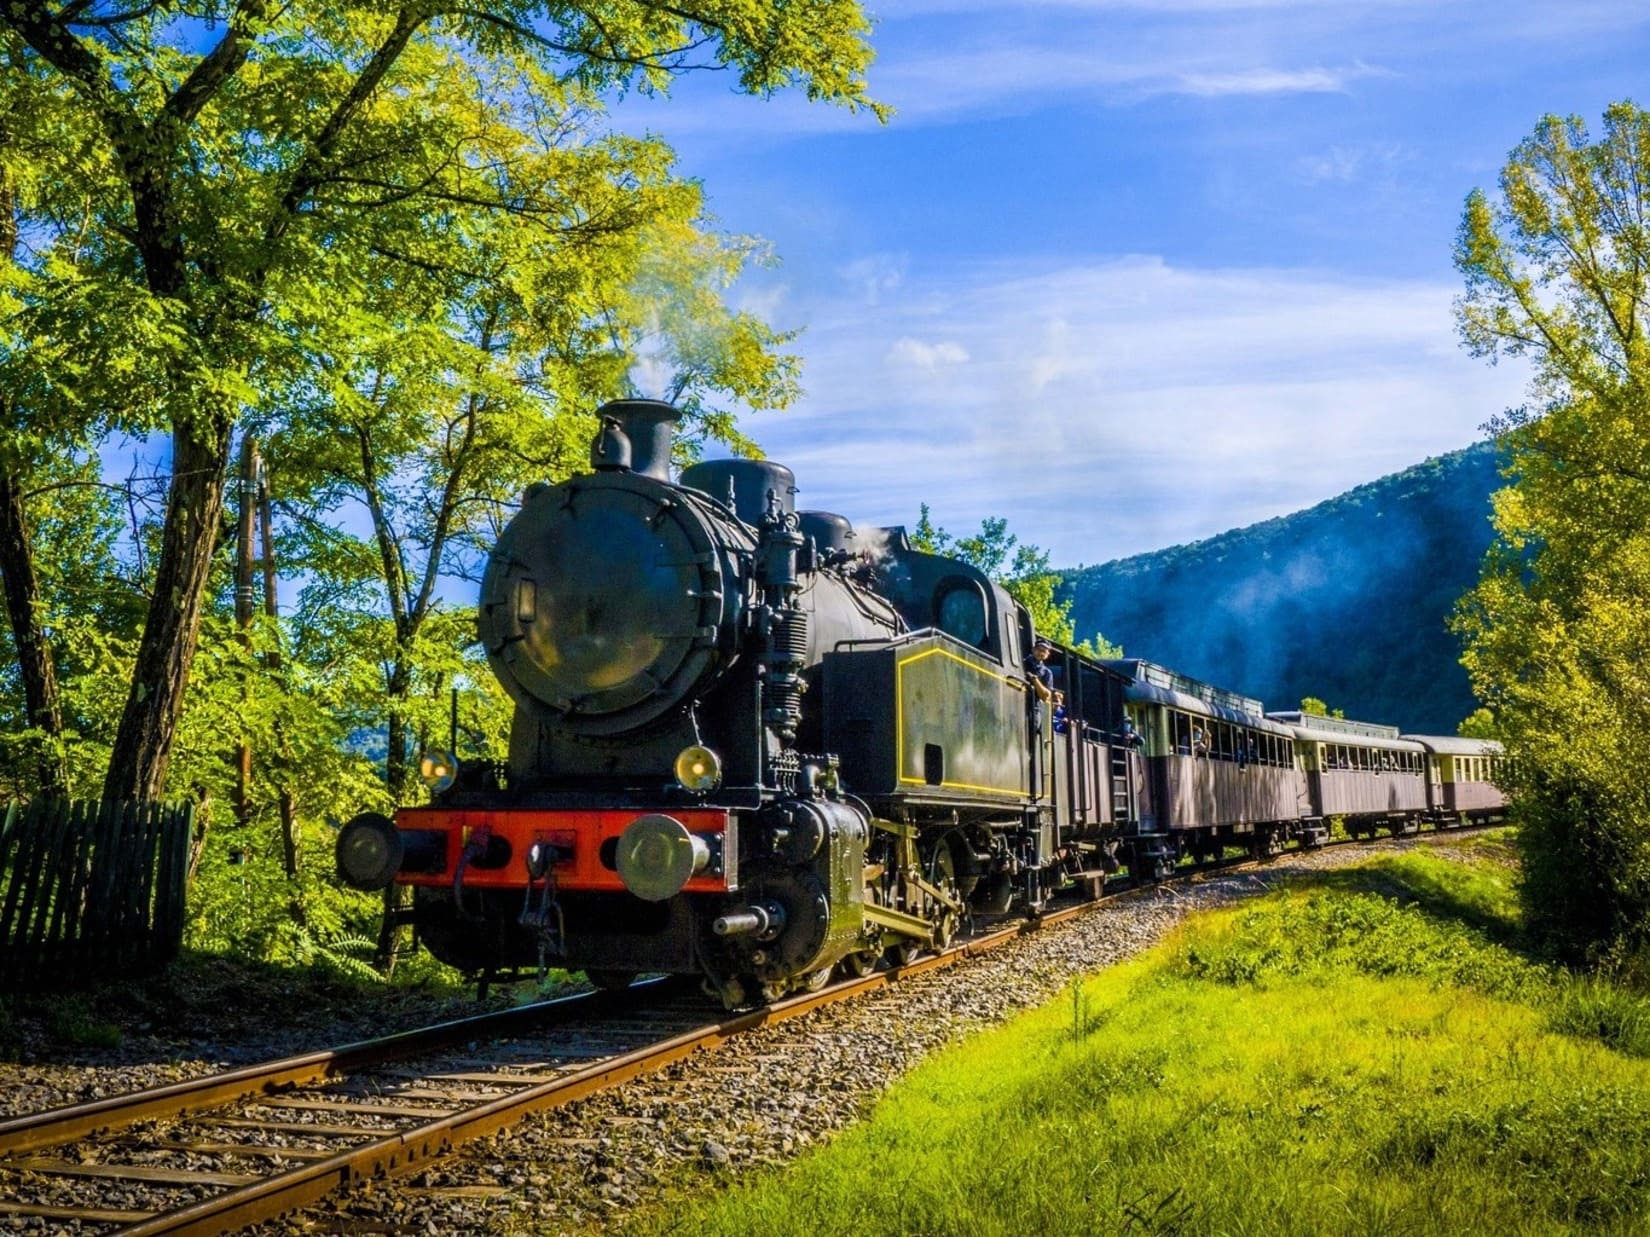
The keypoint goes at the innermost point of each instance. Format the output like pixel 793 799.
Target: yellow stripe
pixel 899 718
pixel 996 790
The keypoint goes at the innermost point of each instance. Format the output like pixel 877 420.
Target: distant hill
pixel 1347 601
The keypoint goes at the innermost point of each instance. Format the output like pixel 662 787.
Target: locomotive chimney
pixel 649 424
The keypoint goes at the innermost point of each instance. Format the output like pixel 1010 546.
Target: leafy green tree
pixel 1311 704
pixel 1557 270
pixel 1479 724
pixel 445 397
pixel 262 166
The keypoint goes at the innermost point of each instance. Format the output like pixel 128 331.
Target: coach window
pixel 1182 736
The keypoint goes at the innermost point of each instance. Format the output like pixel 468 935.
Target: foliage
pixel 265 194
pixel 1021 568
pixel 1479 724
pixel 1349 599
pixel 1311 704
pixel 1556 272
pixel 1329 1059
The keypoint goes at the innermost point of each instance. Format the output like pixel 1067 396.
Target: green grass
pixel 1368 1052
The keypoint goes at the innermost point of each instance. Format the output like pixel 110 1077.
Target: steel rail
pixel 56 1126
pixel 407 1151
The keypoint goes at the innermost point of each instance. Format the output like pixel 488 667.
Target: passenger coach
pixel 1218 771
pixel 1462 785
pixel 1363 772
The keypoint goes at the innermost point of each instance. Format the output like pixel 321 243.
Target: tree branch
pixel 217 66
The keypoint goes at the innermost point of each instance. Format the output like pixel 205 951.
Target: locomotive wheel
pixel 775 990
pixel 858 965
pixel 945 931
pixel 611 981
pixel 813 981
pixel 903 953
pixel 942 872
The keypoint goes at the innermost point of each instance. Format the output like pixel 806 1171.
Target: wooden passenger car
pixel 1362 772
pixel 1218 771
pixel 1461 778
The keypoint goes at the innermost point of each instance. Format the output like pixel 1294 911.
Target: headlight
pixel 698 768
pixel 439 770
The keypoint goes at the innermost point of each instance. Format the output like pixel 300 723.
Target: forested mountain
pixel 1347 601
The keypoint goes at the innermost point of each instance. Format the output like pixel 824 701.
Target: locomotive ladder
pixel 1122 791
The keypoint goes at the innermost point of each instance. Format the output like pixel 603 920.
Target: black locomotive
pixel 755 745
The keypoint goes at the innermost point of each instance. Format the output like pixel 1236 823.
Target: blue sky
pixel 1132 272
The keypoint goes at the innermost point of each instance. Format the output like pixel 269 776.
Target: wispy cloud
pixel 933 85
pixel 946 61
pixel 1120 406
pixel 1346 165
pixel 924 356
pixel 1275 81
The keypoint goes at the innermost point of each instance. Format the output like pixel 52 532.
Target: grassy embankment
pixel 1366 1052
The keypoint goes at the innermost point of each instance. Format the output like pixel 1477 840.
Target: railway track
pixel 233 1149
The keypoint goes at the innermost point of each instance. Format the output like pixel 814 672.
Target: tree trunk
pixel 395 761
pixel 34 654
pixel 194 506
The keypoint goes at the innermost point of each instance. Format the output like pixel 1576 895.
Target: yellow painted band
pixel 899 718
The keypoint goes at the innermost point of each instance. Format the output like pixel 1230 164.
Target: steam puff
pixel 908 351
pixel 650 375
pixel 872 541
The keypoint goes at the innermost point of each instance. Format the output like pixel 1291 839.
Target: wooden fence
pixel 89 889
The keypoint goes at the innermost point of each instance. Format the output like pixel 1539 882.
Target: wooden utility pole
pixel 289 827
pixel 243 609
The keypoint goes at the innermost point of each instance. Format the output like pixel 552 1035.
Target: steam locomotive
pixel 756 745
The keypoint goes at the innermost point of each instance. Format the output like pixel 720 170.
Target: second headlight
pixel 698 768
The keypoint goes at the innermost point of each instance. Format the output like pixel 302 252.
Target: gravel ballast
pixel 761 1101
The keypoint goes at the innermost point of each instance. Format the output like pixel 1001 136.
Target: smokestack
pixel 650 425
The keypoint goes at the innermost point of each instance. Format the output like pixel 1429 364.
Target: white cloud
pixel 1346 164
pixel 873 278
pixel 1274 81
pixel 1124 405
pixel 913 352
pixel 945 61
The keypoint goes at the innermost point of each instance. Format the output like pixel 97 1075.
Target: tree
pixel 1479 724
pixel 267 163
pixel 447 396
pixel 66 380
pixel 1556 268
